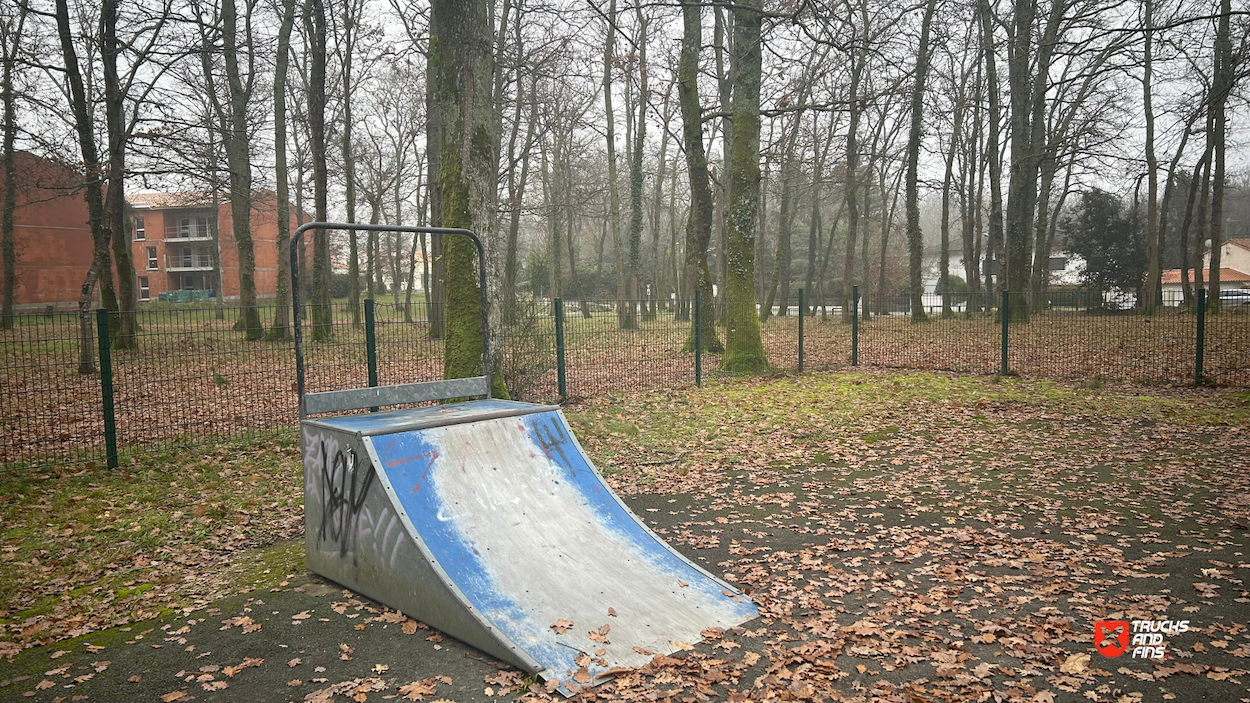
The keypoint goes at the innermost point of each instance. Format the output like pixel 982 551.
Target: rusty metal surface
pixel 494 527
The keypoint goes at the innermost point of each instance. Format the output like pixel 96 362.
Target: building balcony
pixel 181 263
pixel 182 233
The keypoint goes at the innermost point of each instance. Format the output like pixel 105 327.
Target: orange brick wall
pixel 51 236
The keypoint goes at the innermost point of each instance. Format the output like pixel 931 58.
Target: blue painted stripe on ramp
pixel 417 465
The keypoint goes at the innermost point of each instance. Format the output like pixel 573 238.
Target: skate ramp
pixel 487 520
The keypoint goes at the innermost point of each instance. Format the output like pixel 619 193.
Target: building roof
pixel 166 201
pixel 1227 275
pixel 1243 243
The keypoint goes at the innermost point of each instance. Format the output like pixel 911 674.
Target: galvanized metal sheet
pixel 421 418
pixel 507 522
pixel 359 398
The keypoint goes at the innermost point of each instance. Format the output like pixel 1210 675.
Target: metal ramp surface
pixel 486 520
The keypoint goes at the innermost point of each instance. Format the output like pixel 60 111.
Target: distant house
pixel 171 239
pixel 1234 271
pixel 174 248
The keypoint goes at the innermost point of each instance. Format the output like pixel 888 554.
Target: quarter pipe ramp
pixel 486 520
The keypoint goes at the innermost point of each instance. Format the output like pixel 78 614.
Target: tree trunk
pixel 1194 183
pixel 1217 103
pixel 239 158
pixel 915 243
pixel 852 169
pixel 8 248
pixel 1152 166
pixel 744 351
pixel 995 229
pixel 699 222
pixel 467 171
pixel 944 275
pixel 282 302
pixel 516 197
pixel 349 164
pixel 614 198
pixel 93 192
pixel 315 29
pixel 633 289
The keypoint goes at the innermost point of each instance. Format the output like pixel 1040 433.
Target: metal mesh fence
pixel 192 377
pixel 623 346
pixel 47 409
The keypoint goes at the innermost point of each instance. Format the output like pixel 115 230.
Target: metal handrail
pixel 297 239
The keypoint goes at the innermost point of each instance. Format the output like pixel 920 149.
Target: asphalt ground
pixel 313 640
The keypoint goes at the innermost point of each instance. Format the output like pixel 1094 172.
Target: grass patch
pixel 87 548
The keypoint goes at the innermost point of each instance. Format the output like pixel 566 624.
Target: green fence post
pixel 371 347
pixel 801 330
pixel 561 378
pixel 106 387
pixel 698 343
pixel 854 325
pixel 1006 313
pixel 1202 333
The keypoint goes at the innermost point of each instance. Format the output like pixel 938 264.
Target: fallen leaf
pixel 1075 664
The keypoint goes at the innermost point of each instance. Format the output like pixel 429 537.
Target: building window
pixel 143 288
pixel 187 260
pixel 152 259
pixel 140 233
pixel 204 257
pixel 188 282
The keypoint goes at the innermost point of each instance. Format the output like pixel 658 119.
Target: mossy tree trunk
pixel 699 223
pixel 744 351
pixel 461 47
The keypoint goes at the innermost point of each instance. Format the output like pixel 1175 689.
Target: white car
pixel 1234 298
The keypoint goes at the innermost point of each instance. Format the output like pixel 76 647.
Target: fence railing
pixel 188 376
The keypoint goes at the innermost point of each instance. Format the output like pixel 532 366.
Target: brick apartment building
pixel 172 242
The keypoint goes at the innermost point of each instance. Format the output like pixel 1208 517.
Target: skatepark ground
pixel 908 538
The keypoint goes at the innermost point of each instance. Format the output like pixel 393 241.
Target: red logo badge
pixel 1111 637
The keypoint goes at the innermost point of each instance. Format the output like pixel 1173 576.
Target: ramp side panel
pixel 354 536
pixel 519 519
